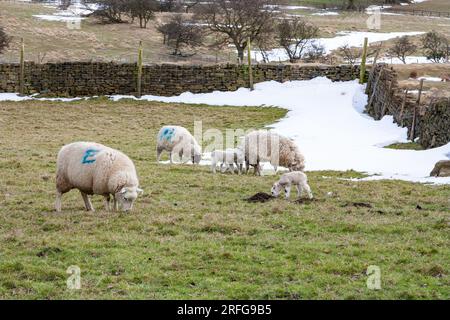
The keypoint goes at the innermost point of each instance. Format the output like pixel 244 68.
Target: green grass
pixel 191 234
pixel 405 146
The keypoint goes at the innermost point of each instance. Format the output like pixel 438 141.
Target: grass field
pixel 191 234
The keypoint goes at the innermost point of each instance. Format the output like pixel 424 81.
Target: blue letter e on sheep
pixel 89 155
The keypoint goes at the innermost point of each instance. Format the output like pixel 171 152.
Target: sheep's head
pixel 126 197
pixel 276 189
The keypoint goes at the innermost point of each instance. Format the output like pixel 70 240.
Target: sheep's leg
pixel 299 190
pixel 275 168
pixel 58 201
pixel 158 154
pixel 258 169
pixel 180 154
pixel 87 202
pixel 306 187
pixel 247 166
pixel 171 157
pixel 287 189
pixel 116 204
pixel 107 203
pixel 213 167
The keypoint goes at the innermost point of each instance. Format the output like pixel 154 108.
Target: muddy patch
pixel 260 197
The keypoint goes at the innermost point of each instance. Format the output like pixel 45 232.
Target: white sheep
pixel 296 178
pixel 176 139
pixel 263 145
pixel 93 168
pixel 229 158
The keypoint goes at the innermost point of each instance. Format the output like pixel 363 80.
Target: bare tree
pixel 349 54
pixel 180 33
pixel 110 11
pixel 238 20
pixel 295 35
pixel 437 46
pixel 265 42
pixel 402 47
pixel 190 4
pixel 4 40
pixel 315 52
pixel 143 10
pixel 169 5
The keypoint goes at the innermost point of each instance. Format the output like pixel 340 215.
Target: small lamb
pixel 228 158
pixel 296 178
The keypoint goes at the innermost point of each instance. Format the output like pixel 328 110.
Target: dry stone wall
pixel 88 79
pixel 432 119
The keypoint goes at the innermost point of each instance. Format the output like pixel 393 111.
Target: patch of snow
pixel 326 121
pixel 60 18
pixel 392 60
pixel 17 97
pixel 434 79
pixel 326 13
pixel 351 38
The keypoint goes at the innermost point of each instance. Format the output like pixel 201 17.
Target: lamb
pixel 263 145
pixel 93 168
pixel 296 178
pixel 176 139
pixel 228 158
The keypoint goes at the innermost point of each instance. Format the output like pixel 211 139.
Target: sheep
pixel 263 145
pixel 296 178
pixel 441 169
pixel 93 168
pixel 228 158
pixel 176 139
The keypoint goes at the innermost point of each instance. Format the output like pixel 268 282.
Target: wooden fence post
pixel 250 70
pixel 139 71
pixel 22 68
pixel 362 74
pixel 413 126
pixel 374 89
pixel 403 107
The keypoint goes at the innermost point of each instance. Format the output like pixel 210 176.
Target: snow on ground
pixel 326 120
pixel 351 38
pixel 428 78
pixel 393 60
pixel 74 12
pixel 326 13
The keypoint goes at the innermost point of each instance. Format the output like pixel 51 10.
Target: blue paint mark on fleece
pixel 167 134
pixel 89 155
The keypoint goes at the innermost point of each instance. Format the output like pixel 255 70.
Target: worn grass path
pixel 191 234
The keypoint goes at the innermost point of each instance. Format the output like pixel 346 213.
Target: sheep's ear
pixel 139 190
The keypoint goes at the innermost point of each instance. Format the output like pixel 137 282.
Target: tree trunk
pixel 240 54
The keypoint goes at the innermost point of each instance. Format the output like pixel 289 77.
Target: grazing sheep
pixel 93 168
pixel 263 145
pixel 228 158
pixel 296 178
pixel 176 139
